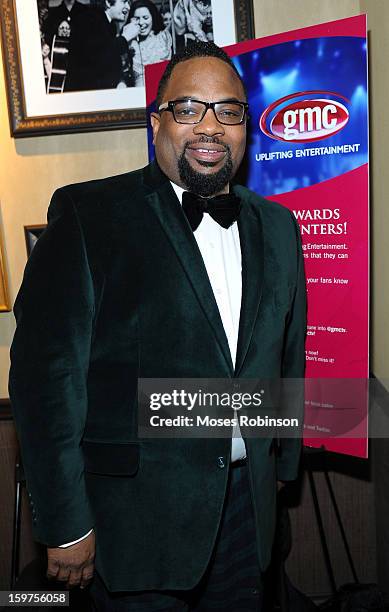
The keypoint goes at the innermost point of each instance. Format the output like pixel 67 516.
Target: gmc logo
pixel 305 120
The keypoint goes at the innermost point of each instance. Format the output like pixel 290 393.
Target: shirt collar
pixel 178 191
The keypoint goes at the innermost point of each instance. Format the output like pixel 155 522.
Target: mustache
pixel 207 140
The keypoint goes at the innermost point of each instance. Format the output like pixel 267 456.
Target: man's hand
pixel 74 564
pixel 131 30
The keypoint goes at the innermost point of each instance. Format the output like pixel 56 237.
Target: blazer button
pixel 221 462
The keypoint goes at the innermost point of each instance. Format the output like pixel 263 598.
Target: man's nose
pixel 209 125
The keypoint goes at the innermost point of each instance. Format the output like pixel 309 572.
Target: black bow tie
pixel 224 209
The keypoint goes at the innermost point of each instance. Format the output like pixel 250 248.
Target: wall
pixel 30 169
pixel 272 16
pixel 378 24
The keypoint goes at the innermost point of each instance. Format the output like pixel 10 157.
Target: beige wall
pixel 32 168
pixel 272 16
pixel 378 24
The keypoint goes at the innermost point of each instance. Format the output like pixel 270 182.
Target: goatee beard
pixel 205 185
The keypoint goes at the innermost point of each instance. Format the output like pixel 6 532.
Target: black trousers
pixel 232 581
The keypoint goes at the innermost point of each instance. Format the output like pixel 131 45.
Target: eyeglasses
pixel 193 111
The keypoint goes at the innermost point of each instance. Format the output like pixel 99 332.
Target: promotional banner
pixel 308 150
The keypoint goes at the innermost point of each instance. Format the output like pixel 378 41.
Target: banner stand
pixel 321 453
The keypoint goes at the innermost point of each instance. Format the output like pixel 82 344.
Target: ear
pixel 155 125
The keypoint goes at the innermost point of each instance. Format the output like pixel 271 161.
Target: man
pixel 57 26
pixel 167 19
pixel 127 282
pixel 96 50
pixel 67 10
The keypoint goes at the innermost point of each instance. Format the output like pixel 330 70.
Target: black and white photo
pixel 105 44
pixel 79 65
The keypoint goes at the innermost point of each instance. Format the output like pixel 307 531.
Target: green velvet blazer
pixel 114 290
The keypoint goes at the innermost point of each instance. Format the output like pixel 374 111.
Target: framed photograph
pixel 78 65
pixel 31 234
pixel 5 305
pixel 5 410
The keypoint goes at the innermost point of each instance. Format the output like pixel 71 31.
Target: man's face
pixel 119 10
pixel 201 157
pixel 64 30
pixel 208 16
pixel 202 6
pixel 167 20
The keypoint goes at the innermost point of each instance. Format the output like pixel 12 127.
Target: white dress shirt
pixel 221 253
pixel 220 250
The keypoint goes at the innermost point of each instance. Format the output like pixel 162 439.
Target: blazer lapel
pixel 252 248
pixel 167 208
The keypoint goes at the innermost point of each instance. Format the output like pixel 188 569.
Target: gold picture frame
pixel 5 303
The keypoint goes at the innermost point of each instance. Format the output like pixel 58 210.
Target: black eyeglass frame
pixel 169 106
